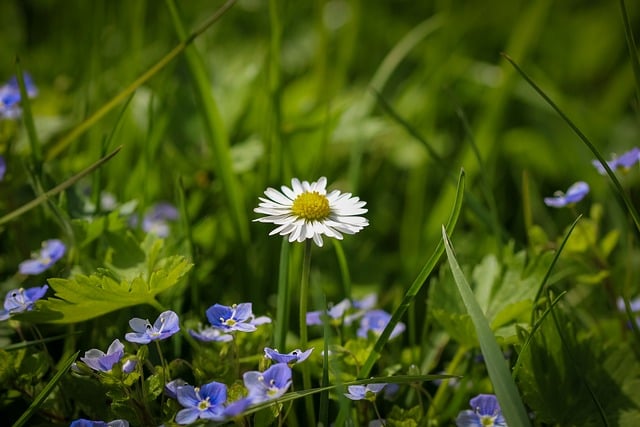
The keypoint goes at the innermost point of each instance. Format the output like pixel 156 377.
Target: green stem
pixel 304 297
pixel 284 298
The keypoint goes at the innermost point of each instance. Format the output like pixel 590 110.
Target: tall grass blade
pixel 417 284
pixel 503 384
pixel 57 189
pixel 631 44
pixel 218 138
pixel 616 183
pixel 45 391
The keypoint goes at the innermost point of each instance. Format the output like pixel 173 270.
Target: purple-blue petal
pixel 215 391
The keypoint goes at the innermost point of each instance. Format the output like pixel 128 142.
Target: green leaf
pixel 84 297
pixel 505 388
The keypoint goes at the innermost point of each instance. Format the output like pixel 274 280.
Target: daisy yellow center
pixel 311 206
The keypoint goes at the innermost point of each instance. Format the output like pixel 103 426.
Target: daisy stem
pixel 304 297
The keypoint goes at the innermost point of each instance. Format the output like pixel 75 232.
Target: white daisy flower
pixel 306 211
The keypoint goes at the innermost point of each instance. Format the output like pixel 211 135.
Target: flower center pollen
pixel 311 206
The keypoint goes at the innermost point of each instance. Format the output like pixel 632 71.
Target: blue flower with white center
pixel 238 317
pixel 296 356
pixel 574 194
pixel 52 250
pixel 99 361
pixel 485 412
pixel 364 392
pixel 624 161
pixel 165 325
pixel 206 402
pixel 375 321
pixel 156 221
pixel 335 313
pixel 88 423
pixel 267 385
pixel 19 300
pixel 210 334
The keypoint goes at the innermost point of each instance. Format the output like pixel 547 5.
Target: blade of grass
pixel 218 138
pixel 27 116
pixel 474 204
pixel 417 284
pixel 631 44
pixel 45 391
pixel 618 187
pixel 554 261
pixel 503 384
pixel 48 194
pixel 65 141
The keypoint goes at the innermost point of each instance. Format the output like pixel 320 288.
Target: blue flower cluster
pixel 346 312
pixel 19 300
pixel 580 189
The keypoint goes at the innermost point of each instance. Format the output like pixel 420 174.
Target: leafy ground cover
pixel 319 213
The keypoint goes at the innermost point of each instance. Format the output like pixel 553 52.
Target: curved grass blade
pixel 63 143
pixel 536 326
pixel 416 285
pixel 57 189
pixel 218 137
pixel 616 183
pixel 554 260
pixel 631 44
pixel 45 391
pixel 503 384
pixel 24 344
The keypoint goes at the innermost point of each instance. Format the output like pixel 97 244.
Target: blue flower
pixel 574 194
pixel 166 325
pixel 19 300
pixel 52 250
pixel 171 388
pixel 238 317
pixel 268 385
pixel 99 361
pixel 129 365
pixel 296 356
pixel 206 402
pixel 10 96
pixel 156 220
pixel 625 161
pixel 485 412
pixel 364 392
pixel 3 167
pixel 335 313
pixel 210 334
pixel 88 423
pixel 376 321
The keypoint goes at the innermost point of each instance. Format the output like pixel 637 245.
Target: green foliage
pixel 505 291
pixel 567 374
pixel 137 274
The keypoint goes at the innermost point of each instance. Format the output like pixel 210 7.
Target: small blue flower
pixel 335 313
pixel 99 361
pixel 3 168
pixel 171 388
pixel 129 365
pixel 268 385
pixel 574 194
pixel 624 161
pixel 364 392
pixel 10 97
pixel 210 334
pixel 296 356
pixel 88 423
pixel 52 250
pixel 206 402
pixel 485 412
pixel 376 321
pixel 238 317
pixel 166 325
pixel 19 300
pixel 156 221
